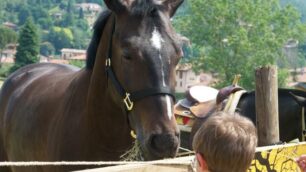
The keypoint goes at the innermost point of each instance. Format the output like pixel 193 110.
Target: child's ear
pixel 202 162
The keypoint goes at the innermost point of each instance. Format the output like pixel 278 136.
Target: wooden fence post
pixel 266 97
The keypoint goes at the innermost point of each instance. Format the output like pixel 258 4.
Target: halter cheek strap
pixel 127 97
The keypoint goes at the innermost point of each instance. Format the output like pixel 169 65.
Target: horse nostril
pixel 164 144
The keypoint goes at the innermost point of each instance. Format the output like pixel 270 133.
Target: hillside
pixel 66 23
pixel 62 23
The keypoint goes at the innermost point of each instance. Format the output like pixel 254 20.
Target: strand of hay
pixel 133 154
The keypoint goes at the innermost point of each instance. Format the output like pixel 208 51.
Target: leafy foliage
pixel 4 71
pixel 300 5
pixel 47 49
pixel 61 38
pixel 48 14
pixel 7 36
pixel 28 48
pixel 236 36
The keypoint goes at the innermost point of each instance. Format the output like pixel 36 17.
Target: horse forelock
pixel 150 8
pixel 144 7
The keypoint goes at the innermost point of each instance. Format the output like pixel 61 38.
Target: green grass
pixel 77 63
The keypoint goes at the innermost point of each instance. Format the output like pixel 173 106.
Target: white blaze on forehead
pixel 169 107
pixel 158 2
pixel 162 71
pixel 156 39
pixel 127 3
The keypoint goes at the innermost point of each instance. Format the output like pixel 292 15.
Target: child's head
pixel 226 142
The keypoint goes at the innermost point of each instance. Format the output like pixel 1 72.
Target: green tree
pixel 7 36
pixel 61 38
pixel 23 14
pixel 80 39
pixel 2 10
pixel 81 13
pixel 38 12
pixel 237 36
pixel 96 1
pixel 45 23
pixel 299 5
pixel 68 20
pixel 28 48
pixel 47 49
pixel 70 6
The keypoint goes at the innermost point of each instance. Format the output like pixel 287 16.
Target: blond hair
pixel 227 142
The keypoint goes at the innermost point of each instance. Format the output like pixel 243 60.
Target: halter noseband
pixel 127 97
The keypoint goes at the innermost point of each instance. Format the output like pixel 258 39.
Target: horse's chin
pixel 141 151
pixel 149 155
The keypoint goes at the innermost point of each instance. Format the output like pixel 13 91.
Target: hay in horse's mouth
pixel 133 154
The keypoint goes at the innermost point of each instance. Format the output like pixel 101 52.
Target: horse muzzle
pixel 159 146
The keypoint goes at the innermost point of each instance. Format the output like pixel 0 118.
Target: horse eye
pixel 126 54
pixel 126 57
pixel 153 11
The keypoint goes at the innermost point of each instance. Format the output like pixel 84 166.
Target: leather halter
pixel 130 97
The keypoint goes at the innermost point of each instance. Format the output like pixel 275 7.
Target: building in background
pixel 186 77
pixel 92 8
pixel 67 54
pixel 7 55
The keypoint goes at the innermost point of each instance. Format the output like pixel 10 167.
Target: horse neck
pixel 104 115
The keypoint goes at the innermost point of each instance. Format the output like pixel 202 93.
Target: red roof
pixel 59 61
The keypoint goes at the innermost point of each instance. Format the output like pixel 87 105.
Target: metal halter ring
pixel 133 134
pixel 108 62
pixel 127 101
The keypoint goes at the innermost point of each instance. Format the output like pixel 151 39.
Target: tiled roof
pixel 67 50
pixel 59 61
pixel 80 57
pixel 7 60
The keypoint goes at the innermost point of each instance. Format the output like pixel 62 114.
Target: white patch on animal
pixel 169 107
pixel 156 39
pixel 158 2
pixel 162 70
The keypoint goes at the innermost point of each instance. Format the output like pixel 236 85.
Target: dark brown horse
pixel 53 112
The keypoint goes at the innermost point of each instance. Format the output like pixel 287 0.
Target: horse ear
pixel 172 5
pixel 118 6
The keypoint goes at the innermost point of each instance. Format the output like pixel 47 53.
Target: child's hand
pixel 301 161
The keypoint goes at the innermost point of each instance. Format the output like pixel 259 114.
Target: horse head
pixel 142 55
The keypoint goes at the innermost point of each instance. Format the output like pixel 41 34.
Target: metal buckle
pixel 108 62
pixel 127 101
pixel 133 134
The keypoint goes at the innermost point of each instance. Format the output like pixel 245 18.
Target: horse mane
pixel 97 34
